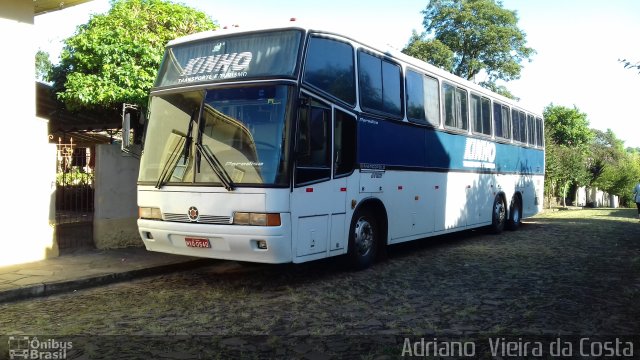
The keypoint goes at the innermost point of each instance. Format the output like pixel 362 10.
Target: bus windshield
pixel 244 130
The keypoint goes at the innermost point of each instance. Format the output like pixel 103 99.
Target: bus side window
pixel 515 117
pixel 497 120
pixel 345 143
pixel 531 130
pixel 456 113
pixel 313 143
pixel 539 132
pixel 501 121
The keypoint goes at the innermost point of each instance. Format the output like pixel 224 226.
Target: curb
pixel 59 287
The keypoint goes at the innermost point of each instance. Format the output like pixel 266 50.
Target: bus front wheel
pixel 499 215
pixel 363 239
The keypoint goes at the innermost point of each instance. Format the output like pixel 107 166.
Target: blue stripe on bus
pixel 395 144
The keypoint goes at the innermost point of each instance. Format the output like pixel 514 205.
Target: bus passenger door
pixel 318 201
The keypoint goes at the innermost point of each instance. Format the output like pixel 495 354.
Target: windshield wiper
pixel 185 145
pixel 212 160
pixel 216 166
pixel 171 163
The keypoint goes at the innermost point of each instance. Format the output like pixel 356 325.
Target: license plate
pixel 197 243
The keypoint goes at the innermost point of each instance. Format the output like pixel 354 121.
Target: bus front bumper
pixel 228 242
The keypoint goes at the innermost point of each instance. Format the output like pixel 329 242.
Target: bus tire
pixel 363 239
pixel 498 215
pixel 515 214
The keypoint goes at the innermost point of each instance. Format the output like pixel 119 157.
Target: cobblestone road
pixel 562 273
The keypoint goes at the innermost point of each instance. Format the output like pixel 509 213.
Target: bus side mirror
pixel 126 131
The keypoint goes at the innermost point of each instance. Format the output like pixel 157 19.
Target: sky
pixel 578 44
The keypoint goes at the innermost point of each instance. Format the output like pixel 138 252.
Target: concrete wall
pixel 116 209
pixel 27 179
pixel 581 196
pixel 595 198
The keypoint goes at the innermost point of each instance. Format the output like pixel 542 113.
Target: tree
pixel 613 169
pixel 481 34
pixel 113 59
pixel 567 137
pixel 499 89
pixel 43 66
pixel 567 126
pixel 606 150
pixel 432 51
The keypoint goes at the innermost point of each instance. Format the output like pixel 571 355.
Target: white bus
pixel 293 144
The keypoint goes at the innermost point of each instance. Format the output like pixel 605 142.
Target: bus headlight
pixel 257 219
pixel 149 213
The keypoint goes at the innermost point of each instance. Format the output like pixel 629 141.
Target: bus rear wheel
pixel 499 215
pixel 363 240
pixel 515 214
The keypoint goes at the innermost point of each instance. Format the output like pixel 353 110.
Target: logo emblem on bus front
pixel 193 213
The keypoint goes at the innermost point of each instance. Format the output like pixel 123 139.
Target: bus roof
pixel 386 50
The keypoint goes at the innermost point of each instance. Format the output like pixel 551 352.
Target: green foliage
pixel 620 177
pixel 565 166
pixel 577 155
pixel 567 136
pixel 567 126
pixel 481 34
pixel 43 66
pixel 74 177
pixel 431 51
pixel 613 169
pixel 499 89
pixel 606 150
pixel 115 56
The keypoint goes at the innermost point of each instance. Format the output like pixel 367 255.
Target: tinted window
pixel 501 121
pixel 506 122
pixel 370 79
pixel 462 108
pixel 540 132
pixel 391 88
pixel 523 127
pixel 330 67
pixel 497 120
pixel 313 143
pixel 415 98
pixel 519 126
pixel 481 114
pixel 379 85
pixel 423 100
pixel 486 116
pixel 515 116
pixel 531 131
pixel 449 93
pixel 432 100
pixel 456 113
pixel 345 143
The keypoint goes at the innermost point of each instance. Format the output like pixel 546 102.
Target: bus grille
pixel 203 219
